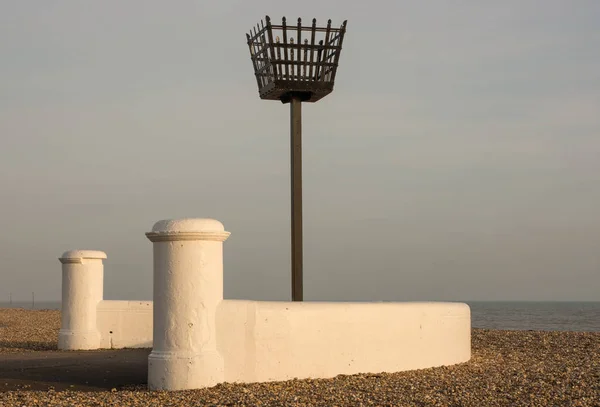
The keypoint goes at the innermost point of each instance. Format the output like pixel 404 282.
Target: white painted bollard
pixel 82 290
pixel 188 287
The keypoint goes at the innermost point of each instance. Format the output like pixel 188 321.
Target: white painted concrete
pixel 199 339
pixel 82 290
pixel 188 288
pixel 88 322
pixel 124 324
pixel 265 341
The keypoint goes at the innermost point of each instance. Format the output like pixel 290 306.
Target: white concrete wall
pixel 188 288
pixel 87 321
pixel 198 339
pixel 265 341
pixel 125 324
pixel 82 290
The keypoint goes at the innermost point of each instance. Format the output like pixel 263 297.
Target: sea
pixel 508 315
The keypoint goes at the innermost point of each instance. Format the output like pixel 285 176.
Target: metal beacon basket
pixel 286 64
pixel 293 70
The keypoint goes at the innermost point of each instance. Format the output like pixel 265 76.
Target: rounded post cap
pixel 188 229
pixel 76 256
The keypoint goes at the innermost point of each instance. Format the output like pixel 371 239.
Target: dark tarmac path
pixel 75 370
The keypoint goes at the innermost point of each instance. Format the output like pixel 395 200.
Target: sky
pixel 458 158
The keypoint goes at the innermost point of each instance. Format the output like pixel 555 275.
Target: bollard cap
pixel 188 229
pixel 77 256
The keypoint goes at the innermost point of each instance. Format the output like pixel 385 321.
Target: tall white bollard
pixel 82 290
pixel 188 287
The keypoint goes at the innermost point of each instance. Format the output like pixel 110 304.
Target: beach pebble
pixel 507 368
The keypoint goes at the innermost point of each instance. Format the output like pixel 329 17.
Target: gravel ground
pixel 508 368
pixel 27 330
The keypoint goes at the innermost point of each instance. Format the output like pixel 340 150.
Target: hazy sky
pixel 457 159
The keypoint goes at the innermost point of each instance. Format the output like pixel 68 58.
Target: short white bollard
pixel 82 290
pixel 188 287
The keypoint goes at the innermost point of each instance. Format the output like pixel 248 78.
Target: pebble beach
pixel 507 368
